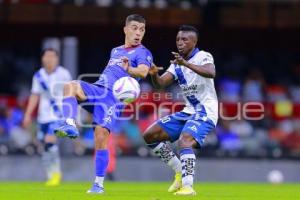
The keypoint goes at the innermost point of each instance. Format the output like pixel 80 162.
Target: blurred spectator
pixel 276 93
pixel 292 141
pixel 229 90
pixel 4 123
pixel 132 132
pixel 295 93
pixel 280 131
pixel 253 89
pixel 228 139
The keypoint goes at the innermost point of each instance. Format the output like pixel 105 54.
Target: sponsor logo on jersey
pixel 115 61
pixel 193 128
pixel 131 52
pixel 189 88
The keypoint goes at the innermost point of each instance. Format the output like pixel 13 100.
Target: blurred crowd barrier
pixel 255 120
pixel 249 14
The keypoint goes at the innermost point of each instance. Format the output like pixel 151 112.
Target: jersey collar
pixel 194 51
pixel 130 48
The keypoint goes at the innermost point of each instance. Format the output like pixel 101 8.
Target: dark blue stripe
pixel 180 75
pixel 195 50
pixel 186 151
pixel 52 100
pixel 153 145
pixel 192 99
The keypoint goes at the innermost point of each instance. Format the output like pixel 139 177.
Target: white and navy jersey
pixel 198 92
pixel 55 82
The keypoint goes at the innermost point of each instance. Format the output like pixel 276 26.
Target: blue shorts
pixel 102 104
pixel 181 122
pixel 46 129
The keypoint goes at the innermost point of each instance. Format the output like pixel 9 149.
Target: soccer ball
pixel 275 177
pixel 126 89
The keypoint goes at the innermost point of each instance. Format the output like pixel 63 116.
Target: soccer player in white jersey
pixel 194 71
pixel 46 93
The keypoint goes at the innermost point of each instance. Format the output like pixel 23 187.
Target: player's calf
pixel 155 139
pixel 101 158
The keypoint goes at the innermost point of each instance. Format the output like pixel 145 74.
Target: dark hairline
pixel 49 49
pixel 189 28
pixel 135 17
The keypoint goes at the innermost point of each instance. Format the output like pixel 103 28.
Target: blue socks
pixel 70 107
pixel 101 162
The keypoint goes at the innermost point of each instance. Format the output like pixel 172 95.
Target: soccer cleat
pixel 66 130
pixel 55 179
pixel 185 190
pixel 96 189
pixel 176 185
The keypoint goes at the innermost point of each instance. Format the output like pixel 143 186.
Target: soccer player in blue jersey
pixel 194 71
pixel 130 59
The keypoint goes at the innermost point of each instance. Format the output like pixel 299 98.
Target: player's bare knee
pixel 101 134
pixel 101 138
pixel 50 138
pixel 149 137
pixel 185 141
pixel 70 88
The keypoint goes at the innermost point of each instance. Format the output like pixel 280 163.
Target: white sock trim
pixel 184 156
pixel 158 147
pixel 99 180
pixel 71 122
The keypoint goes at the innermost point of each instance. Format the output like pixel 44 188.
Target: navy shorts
pixel 181 122
pixel 46 129
pixel 102 104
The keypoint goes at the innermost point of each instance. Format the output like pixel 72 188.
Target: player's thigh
pixel 107 111
pixel 74 88
pixel 88 91
pixel 194 133
pixel 155 133
pixel 172 125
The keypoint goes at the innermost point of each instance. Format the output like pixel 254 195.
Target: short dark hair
pixel 135 17
pixel 189 28
pixel 49 49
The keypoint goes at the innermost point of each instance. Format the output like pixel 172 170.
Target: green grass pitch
pixel 147 191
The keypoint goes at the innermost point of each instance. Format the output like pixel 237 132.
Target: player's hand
pixel 26 121
pixel 179 60
pixel 154 69
pixel 125 63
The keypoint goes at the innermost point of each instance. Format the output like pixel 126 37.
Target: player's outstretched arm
pixel 160 81
pixel 206 70
pixel 141 71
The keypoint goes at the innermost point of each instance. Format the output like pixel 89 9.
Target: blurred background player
pixel 194 70
pixel 47 92
pixel 130 59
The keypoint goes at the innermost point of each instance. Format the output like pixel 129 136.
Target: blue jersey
pixel 114 71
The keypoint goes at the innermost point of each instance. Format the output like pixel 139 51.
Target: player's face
pixel 50 60
pixel 134 33
pixel 185 42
